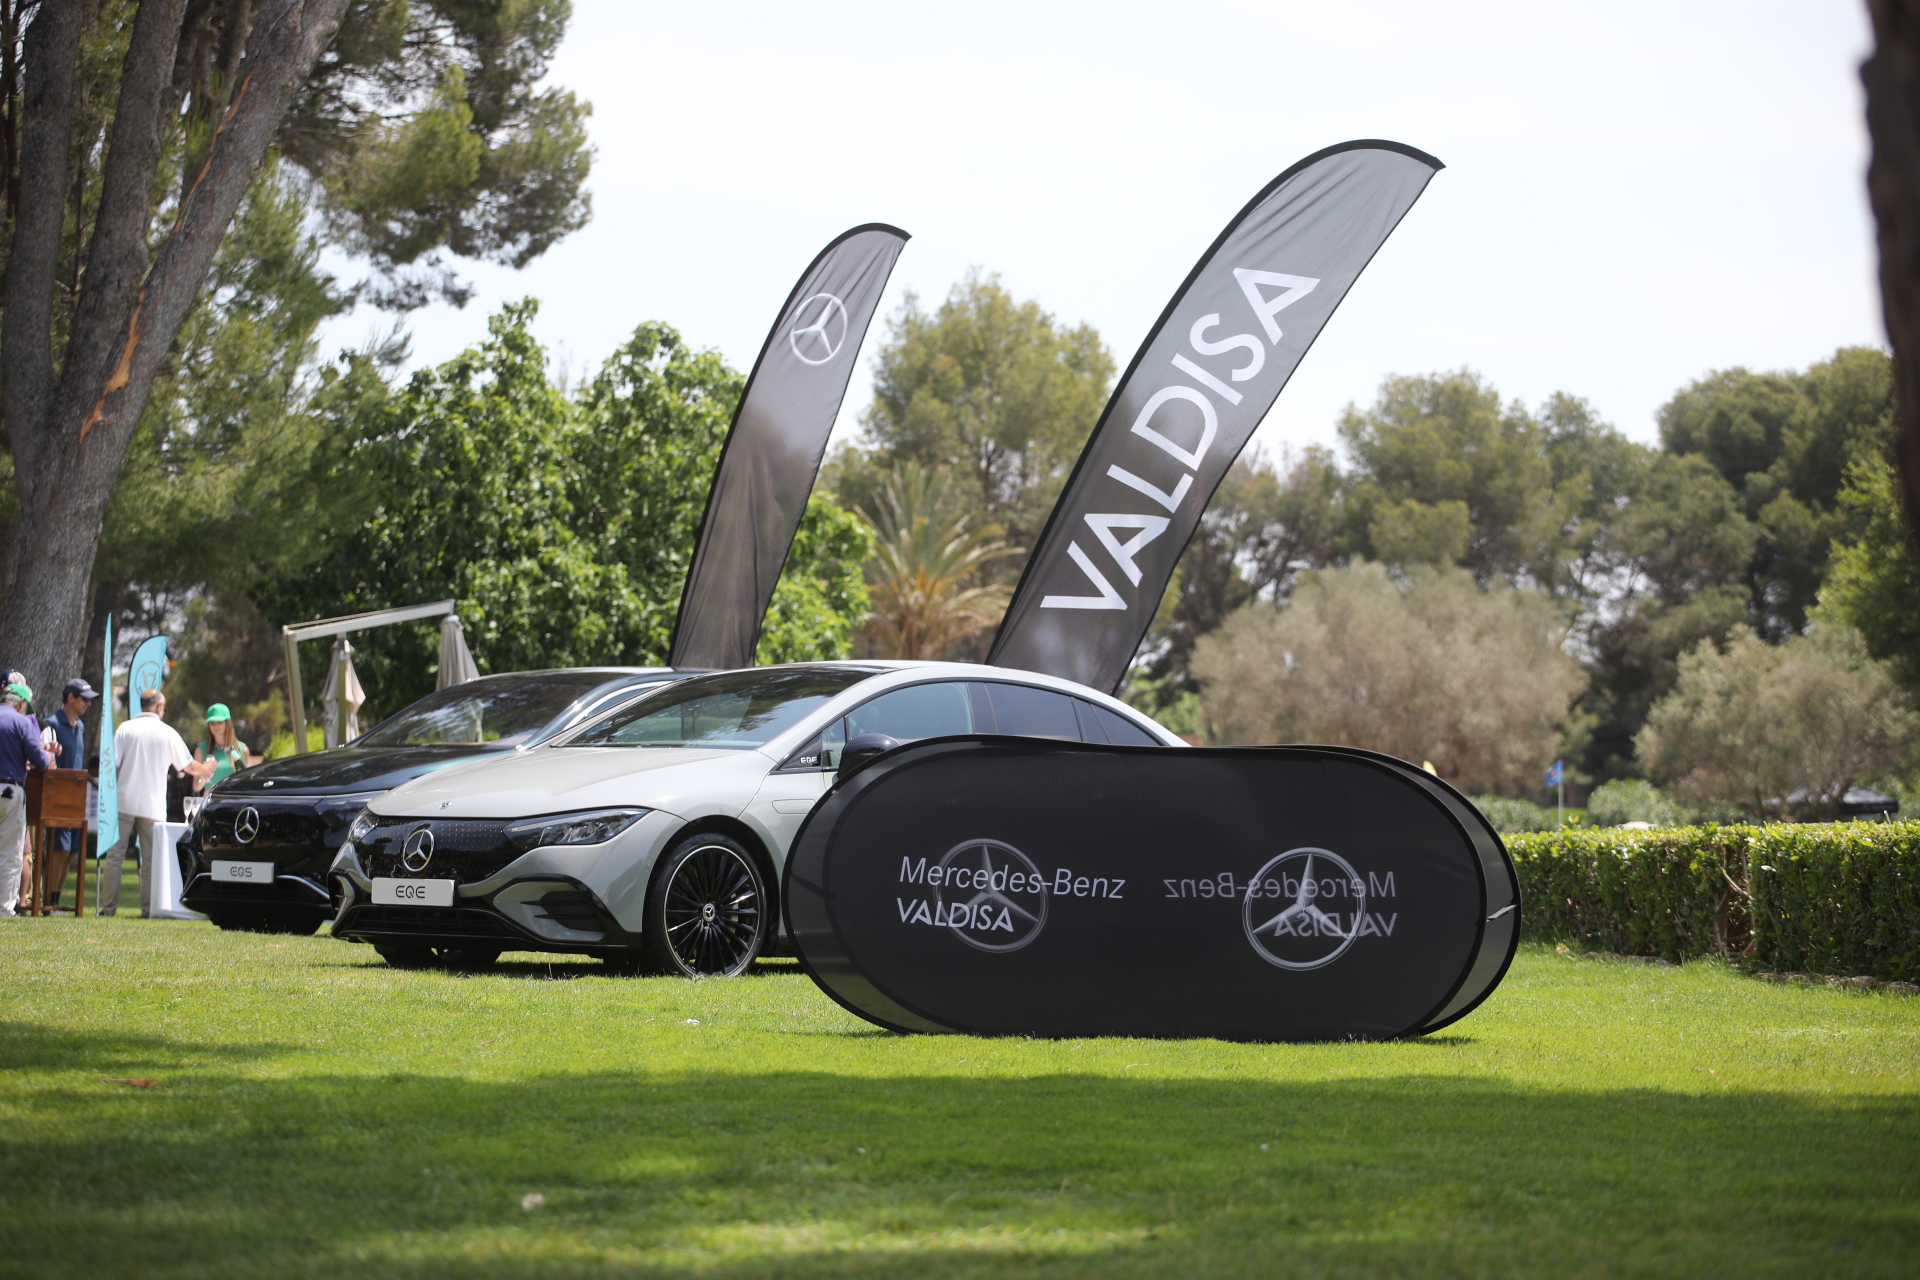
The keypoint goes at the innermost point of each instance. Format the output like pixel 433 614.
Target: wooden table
pixel 56 798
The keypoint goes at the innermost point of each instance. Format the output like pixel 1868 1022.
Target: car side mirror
pixel 862 747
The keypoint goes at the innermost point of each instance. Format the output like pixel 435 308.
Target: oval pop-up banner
pixel 1015 886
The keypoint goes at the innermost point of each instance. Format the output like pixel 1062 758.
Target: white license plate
pixel 389 892
pixel 243 872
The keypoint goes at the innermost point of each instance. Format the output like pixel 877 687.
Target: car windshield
pixel 738 710
pixel 501 711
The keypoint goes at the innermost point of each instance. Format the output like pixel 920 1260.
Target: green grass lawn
pixel 313 1113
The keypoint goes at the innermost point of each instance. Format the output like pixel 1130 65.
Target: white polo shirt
pixel 145 746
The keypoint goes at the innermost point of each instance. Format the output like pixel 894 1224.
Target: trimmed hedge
pixel 1835 898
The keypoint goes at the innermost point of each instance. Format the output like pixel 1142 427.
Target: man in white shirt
pixel 146 747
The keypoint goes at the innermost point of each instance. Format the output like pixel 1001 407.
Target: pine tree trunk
pixel 70 421
pixel 1892 78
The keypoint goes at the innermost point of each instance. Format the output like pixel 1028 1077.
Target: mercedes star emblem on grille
pixel 417 851
pixel 246 825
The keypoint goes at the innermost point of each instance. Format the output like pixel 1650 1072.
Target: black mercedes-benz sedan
pixel 260 848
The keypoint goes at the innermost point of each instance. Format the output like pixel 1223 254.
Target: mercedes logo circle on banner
pixel 246 825
pixel 819 331
pixel 1306 915
pixel 992 896
pixel 417 851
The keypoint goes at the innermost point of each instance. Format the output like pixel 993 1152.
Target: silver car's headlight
pixel 362 827
pixel 593 826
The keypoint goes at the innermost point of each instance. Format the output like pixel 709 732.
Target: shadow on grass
pixel 536 966
pixel 799 1173
pixel 26 1046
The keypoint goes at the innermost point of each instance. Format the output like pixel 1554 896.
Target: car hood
pixel 347 769
pixel 559 779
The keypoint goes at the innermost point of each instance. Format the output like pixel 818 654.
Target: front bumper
pixel 580 901
pixel 296 835
pixel 296 892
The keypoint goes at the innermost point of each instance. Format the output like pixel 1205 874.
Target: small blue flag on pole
pixel 1555 774
pixel 107 816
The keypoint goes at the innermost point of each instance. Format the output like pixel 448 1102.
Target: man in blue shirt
pixel 70 751
pixel 19 751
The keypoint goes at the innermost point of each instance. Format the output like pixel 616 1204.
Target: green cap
pixel 21 692
pixel 217 712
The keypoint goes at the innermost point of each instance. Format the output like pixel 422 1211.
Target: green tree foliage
pixel 562 526
pixel 925 553
pixel 159 162
pixel 991 387
pixel 1772 728
pixel 1267 524
pixel 1785 441
pixel 1677 548
pixel 1443 474
pixel 822 593
pixel 1646 551
pixel 426 132
pixel 1874 584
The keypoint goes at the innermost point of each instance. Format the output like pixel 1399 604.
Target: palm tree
pixel 925 549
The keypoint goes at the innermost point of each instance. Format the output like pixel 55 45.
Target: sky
pixel 1635 194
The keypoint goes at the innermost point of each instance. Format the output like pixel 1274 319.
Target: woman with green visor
pixel 228 753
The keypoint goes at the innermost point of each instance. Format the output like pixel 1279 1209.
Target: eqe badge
pixel 1017 886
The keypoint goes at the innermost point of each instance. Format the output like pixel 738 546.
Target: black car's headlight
pixel 593 826
pixel 362 826
pixel 337 809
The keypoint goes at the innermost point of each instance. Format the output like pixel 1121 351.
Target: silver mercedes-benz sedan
pixel 654 836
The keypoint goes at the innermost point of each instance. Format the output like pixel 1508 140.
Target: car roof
pixel 602 677
pixel 889 673
pixel 607 672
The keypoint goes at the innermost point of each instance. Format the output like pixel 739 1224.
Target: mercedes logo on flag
pixel 818 339
pixel 246 825
pixel 417 851
pixel 1301 899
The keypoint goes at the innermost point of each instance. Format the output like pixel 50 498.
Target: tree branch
pixel 287 37
pixel 117 257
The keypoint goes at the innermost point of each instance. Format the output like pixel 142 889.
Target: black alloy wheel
pixel 707 911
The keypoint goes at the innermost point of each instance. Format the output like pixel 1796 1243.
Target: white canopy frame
pixel 293 634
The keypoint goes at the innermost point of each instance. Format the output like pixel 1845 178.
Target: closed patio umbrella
pixel 456 663
pixel 341 699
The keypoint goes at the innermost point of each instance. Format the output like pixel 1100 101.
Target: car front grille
pixel 463 850
pixel 297 829
pixel 428 922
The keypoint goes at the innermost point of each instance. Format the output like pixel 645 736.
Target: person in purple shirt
pixel 20 750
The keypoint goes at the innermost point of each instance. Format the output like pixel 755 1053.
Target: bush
pixel 282 743
pixel 1840 898
pixel 1633 800
pixel 1510 817
pixel 1425 665
pixel 1761 723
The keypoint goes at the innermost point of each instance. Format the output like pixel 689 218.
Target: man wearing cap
pixel 20 750
pixel 70 748
pixel 146 747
